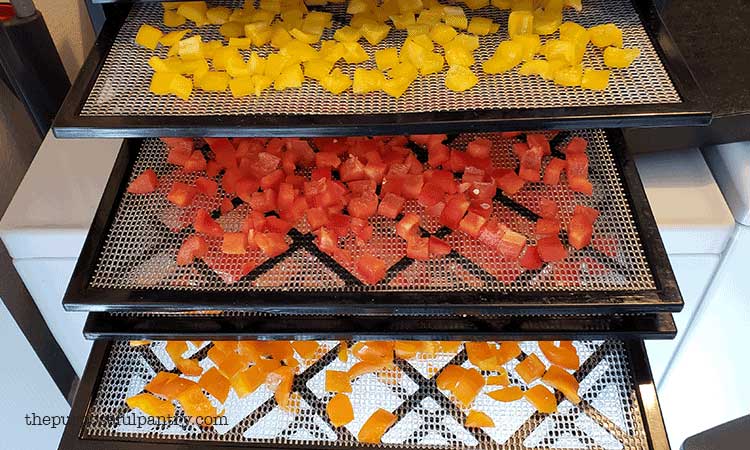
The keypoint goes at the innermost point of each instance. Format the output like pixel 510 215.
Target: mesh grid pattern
pixel 608 416
pixel 141 246
pixel 121 88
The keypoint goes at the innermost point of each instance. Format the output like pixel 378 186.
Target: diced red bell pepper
pixel 316 218
pixel 457 161
pixel 178 142
pixel 581 184
pixel 277 225
pixel 576 145
pixel 363 206
pixel 327 159
pixel 508 181
pixel 414 166
pixel 360 186
pixel 509 134
pixel 179 155
pixel 553 170
pixel 511 244
pixel 589 213
pixel 577 165
pixel 442 180
pixel 207 186
pixel 265 164
pixel 351 170
pixel 223 151
pixel 437 155
pixel 375 171
pixel 234 243
pixel 246 188
pixel 547 227
pixel 295 180
pixel 301 148
pixel 340 223
pixel 492 233
pixel 438 247
pixel 326 240
pixel 264 201
pixel 256 220
pixel 472 174
pixel 212 168
pixel 372 157
pixel 530 259
pixel 273 179
pixel 391 205
pixel 435 210
pixel 397 169
pixel 285 197
pixel 226 206
pixel 430 195
pixel 579 231
pixel 547 208
pixel 203 223
pixel 538 141
pixel 193 247
pixel 181 194
pixel 333 145
pixel 271 244
pixel 412 186
pixel 531 165
pixel 195 163
pixel 229 181
pixel 408 226
pixel 454 211
pixel 144 183
pixel 362 229
pixel 472 224
pixel 296 211
pixel 482 191
pixel 481 208
pixel 370 268
pixel 551 249
pixel 520 149
pixel 418 248
pixel 479 148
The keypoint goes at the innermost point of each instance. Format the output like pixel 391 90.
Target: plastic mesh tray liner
pixel 121 88
pixel 608 417
pixel 141 245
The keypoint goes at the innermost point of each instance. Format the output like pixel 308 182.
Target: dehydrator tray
pixel 619 409
pixel 110 98
pixel 252 325
pixel 128 260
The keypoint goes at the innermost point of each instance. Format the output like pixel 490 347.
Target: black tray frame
pixel 691 111
pixel 665 298
pixel 645 391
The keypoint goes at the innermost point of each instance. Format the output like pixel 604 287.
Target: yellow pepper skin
pixel 606 35
pixel 620 57
pixel 596 80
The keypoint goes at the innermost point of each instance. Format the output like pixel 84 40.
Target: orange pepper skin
pixel 175 387
pixel 280 381
pixel 339 410
pixel 563 356
pixel 564 382
pixel 157 384
pixel 306 349
pixel 216 384
pixel 509 394
pixel 410 349
pixel 449 377
pixel 478 419
pixel 373 351
pixel 195 403
pixel 376 426
pixel 449 346
pixel 542 398
pixel 508 350
pixel 482 355
pixel 343 352
pixel 337 381
pixel 151 405
pixel 501 379
pixel 530 369
pixel 464 384
pixel 248 380
pixel 190 367
pixel 364 367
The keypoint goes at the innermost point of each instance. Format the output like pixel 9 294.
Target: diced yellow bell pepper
pixel 354 53
pixel 240 15
pixel 520 22
pixel 232 29
pixel 237 67
pixel 222 55
pixel 476 4
pixel 402 21
pixel 606 35
pixel 218 15
pixel 455 17
pixel 423 41
pixel 336 82
pixel 396 87
pixel 290 77
pixel 307 38
pixel 537 67
pixel 173 37
pixel 275 63
pixel 148 36
pixel 458 56
pixel 358 6
pixel 522 5
pixel 367 81
pixel 241 86
pixel 190 48
pixel 460 78
pixel 321 18
pixel 256 64
pixel 575 4
pixel 262 16
pixel 261 83
pixel 386 9
pixel 374 33
pixel 530 43
pixel 596 80
pixel 555 49
pixel 169 65
pixel 481 26
pixel 404 70
pixel 213 81
pixel 507 56
pixel 332 50
pixel 195 11
pixel 620 57
pixel 578 35
pixel 442 33
pixel 195 67
pixel 313 29
pixel 347 34
pixel 413 52
pixel 546 23
pixel 279 36
pixel 299 51
pixel 271 5
pixel 386 58
pixel 317 69
pixel 260 32
pixel 210 48
pixel 360 19
pixel 417 29
pixel 430 16
pixel 465 41
pixel 172 19
pixel 161 83
pixel 410 5
pixel 242 43
pixel 432 63
pixel 569 75
pixel 501 4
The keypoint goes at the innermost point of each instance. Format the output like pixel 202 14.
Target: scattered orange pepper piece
pixel 376 426
pixel 364 367
pixel 500 379
pixel 195 403
pixel 373 351
pixel 449 346
pixel 481 355
pixel 175 387
pixel 157 384
pixel 564 382
pixel 566 357
pixel 339 410
pixel 406 349
pixel 343 351
pixel 190 367
pixel 508 350
pixel 139 343
pixel 280 381
pixel 215 384
pixel 151 405
pixel 542 399
pixel 530 369
pixel 478 419
pixel 306 349
pixel 509 394
pixel 464 384
pixel 337 381
pixel 247 381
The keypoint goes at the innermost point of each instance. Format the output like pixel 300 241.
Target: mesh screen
pixel 121 88
pixel 608 416
pixel 141 246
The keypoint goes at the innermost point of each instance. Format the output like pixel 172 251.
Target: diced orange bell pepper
pixel 373 351
pixel 227 346
pixel 376 426
pixel 364 367
pixel 190 367
pixel 501 379
pixel 231 364
pixel 175 387
pixel 478 419
pixel 542 399
pixel 566 357
pixel 481 355
pixel 508 350
pixel 406 349
pixel 139 343
pixel 215 384
pixel 530 369
pixel 449 376
pixel 306 349
pixel 343 352
pixel 280 381
pixel 157 384
pixel 340 411
pixel 449 346
pixel 469 384
pixel 247 381
pixel 195 403
pixel 151 405
pixel 337 381
pixel 509 394
pixel 278 350
pixel 564 382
